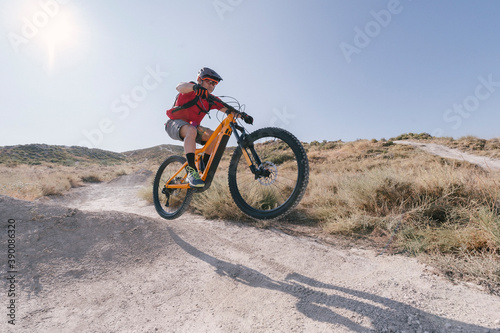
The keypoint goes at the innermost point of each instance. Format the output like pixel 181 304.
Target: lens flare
pixel 59 36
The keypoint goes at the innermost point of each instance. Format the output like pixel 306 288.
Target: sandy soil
pixel 100 260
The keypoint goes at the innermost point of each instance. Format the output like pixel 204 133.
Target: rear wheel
pixel 171 203
pixel 280 180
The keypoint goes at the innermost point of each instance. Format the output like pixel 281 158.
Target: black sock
pixel 206 157
pixel 190 158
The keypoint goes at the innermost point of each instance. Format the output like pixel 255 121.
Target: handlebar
pixel 247 118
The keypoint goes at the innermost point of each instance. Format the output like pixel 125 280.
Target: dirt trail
pixel 100 260
pixel 443 151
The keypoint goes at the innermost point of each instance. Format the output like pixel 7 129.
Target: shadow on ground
pixel 325 302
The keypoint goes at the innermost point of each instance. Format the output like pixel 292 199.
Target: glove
pixel 200 91
pixel 248 119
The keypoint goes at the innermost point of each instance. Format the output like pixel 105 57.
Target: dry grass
pixel 146 193
pixel 363 188
pixel 440 207
pixel 479 268
pixel 372 185
pixel 30 182
pixel 217 202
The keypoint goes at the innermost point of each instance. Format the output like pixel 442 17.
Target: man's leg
pixel 205 134
pixel 188 133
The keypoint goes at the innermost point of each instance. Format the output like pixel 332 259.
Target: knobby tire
pixel 179 199
pixel 276 194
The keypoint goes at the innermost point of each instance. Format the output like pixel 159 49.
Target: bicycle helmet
pixel 206 72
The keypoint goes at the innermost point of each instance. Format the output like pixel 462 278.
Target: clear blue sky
pixel 102 73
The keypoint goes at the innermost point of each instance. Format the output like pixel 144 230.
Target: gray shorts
pixel 173 128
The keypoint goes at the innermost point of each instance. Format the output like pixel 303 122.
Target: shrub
pixel 413 136
pixel 91 179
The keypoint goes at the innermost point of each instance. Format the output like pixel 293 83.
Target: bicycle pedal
pixel 197 189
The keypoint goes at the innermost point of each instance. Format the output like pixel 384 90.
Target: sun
pixel 54 32
pixel 59 30
pixel 59 36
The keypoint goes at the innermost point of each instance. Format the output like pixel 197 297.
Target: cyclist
pixel 190 107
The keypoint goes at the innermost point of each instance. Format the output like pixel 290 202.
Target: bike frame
pixel 220 136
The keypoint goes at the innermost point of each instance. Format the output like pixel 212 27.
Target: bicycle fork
pixel 258 171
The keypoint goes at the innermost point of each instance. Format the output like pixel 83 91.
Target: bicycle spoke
pixel 169 202
pixel 278 183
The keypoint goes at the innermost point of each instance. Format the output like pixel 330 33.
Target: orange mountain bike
pixel 268 171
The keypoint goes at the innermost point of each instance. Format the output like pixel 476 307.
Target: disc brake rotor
pixel 273 173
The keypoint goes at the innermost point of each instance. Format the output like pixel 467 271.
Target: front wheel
pixel 170 203
pixel 278 183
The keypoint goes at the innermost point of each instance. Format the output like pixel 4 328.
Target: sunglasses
pixel 211 81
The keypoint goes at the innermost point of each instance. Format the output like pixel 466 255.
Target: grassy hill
pixel 158 153
pixel 36 154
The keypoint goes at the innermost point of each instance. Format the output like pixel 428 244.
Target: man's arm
pixel 184 87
